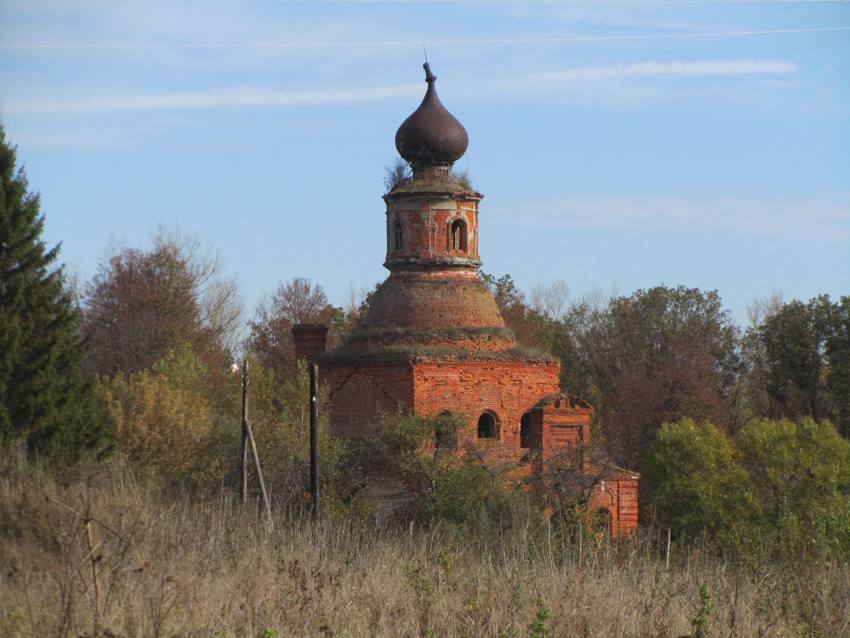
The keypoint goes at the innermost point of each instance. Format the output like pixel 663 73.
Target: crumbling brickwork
pixel 434 341
pixel 560 423
pixel 467 389
pixel 360 392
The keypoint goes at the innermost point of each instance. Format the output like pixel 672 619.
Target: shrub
pixel 461 488
pixel 161 417
pixel 175 428
pixel 692 476
pixel 801 474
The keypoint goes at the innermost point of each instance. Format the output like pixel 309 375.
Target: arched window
pixel 445 436
pixel 398 236
pixel 457 235
pixel 488 426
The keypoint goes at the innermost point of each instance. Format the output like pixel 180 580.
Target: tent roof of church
pixel 431 135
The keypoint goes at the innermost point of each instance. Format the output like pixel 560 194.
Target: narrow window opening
pixel 458 235
pixel 398 236
pixel 445 435
pixel 530 437
pixel 488 426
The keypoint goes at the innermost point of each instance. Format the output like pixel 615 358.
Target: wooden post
pixel 314 438
pixel 667 552
pixel 248 442
pixel 244 439
pixel 580 538
pixel 93 560
pixel 265 495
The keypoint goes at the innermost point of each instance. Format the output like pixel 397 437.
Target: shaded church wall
pixel 361 392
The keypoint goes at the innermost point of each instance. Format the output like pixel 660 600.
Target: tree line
pixel 140 357
pixel 663 354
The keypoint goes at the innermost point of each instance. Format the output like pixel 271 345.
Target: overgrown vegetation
pixel 119 422
pixel 470 489
pixel 399 172
pixel 396 173
pixel 778 488
pixel 663 354
pixel 103 554
pixel 177 430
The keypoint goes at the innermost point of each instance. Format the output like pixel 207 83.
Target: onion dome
pixel 431 135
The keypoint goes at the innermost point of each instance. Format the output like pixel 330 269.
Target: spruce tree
pixel 45 401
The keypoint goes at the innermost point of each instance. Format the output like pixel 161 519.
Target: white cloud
pixel 547 81
pixel 654 69
pixel 812 218
pixel 219 98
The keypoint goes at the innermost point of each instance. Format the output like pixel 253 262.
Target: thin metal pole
pixel 314 438
pixel 244 438
pixel 667 552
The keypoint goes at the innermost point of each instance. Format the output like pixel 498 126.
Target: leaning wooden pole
pixel 314 438
pixel 259 470
pixel 248 443
pixel 243 462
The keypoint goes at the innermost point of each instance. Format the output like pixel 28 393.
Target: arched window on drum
pixel 398 236
pixel 457 236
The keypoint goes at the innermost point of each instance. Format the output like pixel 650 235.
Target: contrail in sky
pixel 418 42
pixel 259 97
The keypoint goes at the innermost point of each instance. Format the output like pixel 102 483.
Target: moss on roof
pixel 433 186
pixel 430 334
pixel 414 354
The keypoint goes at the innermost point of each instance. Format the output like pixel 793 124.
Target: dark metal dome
pixel 431 135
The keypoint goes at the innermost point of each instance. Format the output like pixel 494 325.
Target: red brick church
pixel 434 341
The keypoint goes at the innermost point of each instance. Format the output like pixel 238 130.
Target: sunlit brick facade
pixel 434 341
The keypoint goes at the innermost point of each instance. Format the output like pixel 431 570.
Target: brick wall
pixel 361 391
pixel 619 496
pixel 564 422
pixel 468 388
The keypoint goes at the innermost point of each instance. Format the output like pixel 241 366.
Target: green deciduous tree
pixel 838 362
pixel 800 469
pixel 175 426
pixel 806 360
pixel 693 477
pixel 44 399
pixel 656 355
pixel 794 340
pixel 163 416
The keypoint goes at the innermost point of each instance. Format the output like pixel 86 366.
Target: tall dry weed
pixel 101 555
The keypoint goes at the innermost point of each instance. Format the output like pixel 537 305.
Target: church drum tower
pixel 433 340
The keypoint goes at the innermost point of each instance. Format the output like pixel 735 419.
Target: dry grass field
pixel 100 555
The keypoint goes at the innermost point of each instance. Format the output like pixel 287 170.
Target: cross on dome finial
pixel 431 136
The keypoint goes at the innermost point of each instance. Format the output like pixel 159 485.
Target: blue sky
pixel 619 145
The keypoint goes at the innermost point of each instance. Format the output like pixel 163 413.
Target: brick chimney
pixel 310 339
